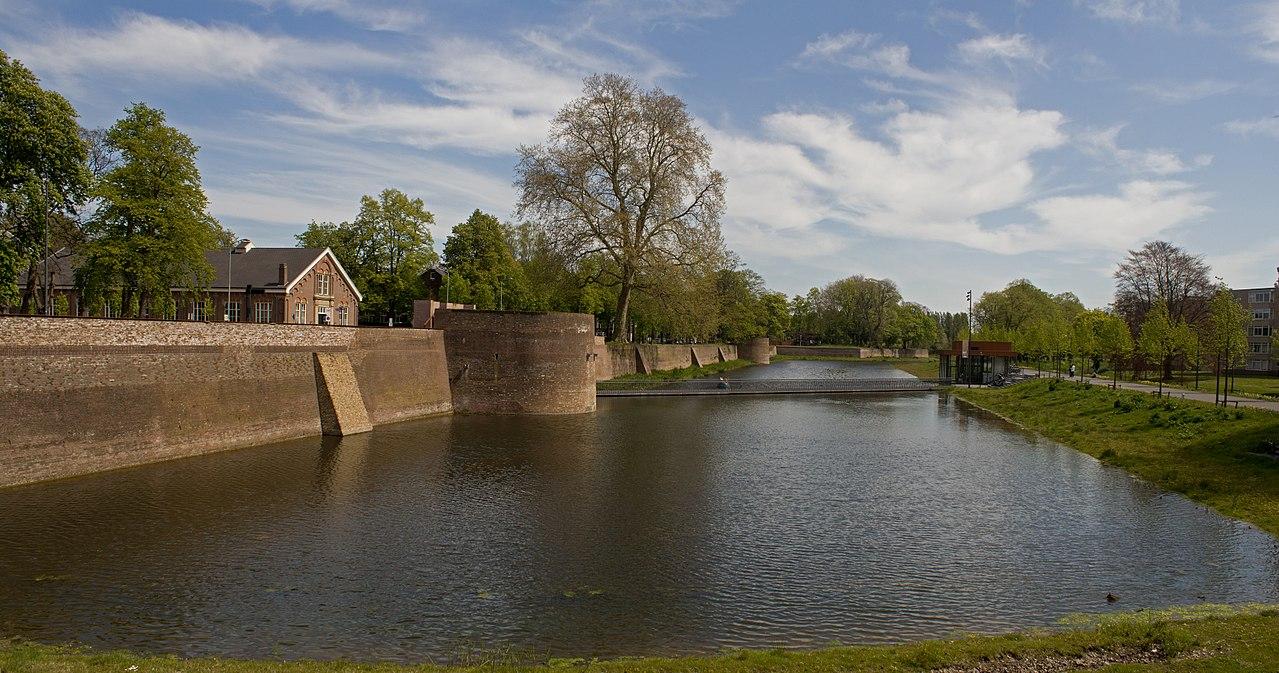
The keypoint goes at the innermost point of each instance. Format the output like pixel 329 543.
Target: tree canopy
pixel 151 228
pixel 43 174
pixel 385 249
pixel 624 184
pixel 482 268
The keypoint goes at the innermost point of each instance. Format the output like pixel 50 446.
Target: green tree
pixel 482 266
pixel 777 316
pixel 151 228
pixel 1162 339
pixel 625 175
pixel 385 250
pixel 43 176
pixel 914 326
pixel 1225 333
pixel 1114 340
pixel 1083 339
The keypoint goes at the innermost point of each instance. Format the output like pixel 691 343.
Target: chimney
pixel 284 274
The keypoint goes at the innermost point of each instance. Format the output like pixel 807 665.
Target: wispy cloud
pixel 864 51
pixel 141 46
pixel 1266 126
pixel 1007 48
pixel 1104 143
pixel 390 16
pixel 1264 27
pixel 1134 11
pixel 1179 92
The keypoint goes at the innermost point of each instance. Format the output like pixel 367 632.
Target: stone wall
pixel 84 395
pixel 755 350
pixel 506 362
pixel 627 358
pixel 852 351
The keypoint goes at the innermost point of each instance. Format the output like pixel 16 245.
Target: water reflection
pixel 663 525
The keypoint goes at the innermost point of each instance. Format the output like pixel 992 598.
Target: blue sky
pixel 946 145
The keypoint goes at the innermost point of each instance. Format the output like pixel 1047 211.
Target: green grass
pixel 1206 641
pixel 1258 387
pixel 924 368
pixel 686 372
pixel 1223 458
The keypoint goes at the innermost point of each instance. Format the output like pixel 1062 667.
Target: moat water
pixel 656 526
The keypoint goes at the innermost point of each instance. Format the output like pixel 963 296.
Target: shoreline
pixel 1232 638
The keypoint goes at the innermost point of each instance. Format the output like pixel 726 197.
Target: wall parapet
pixel 84 395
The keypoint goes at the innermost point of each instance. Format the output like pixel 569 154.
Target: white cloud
pixel 1007 48
pixel 1174 92
pixel 143 46
pixel 1266 126
pixel 386 17
pixel 935 176
pixel 1143 209
pixel 1134 11
pixel 1265 26
pixel 864 51
pixel 1104 143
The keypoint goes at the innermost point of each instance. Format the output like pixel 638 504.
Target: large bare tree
pixel 625 174
pixel 1162 272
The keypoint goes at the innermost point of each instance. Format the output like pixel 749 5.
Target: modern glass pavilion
pixel 977 362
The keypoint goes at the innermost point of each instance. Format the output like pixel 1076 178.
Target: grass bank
pixel 686 372
pixel 924 368
pixel 1202 639
pixel 1257 387
pixel 1223 458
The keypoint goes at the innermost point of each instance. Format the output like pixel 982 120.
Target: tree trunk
pixel 126 301
pixel 29 292
pixel 622 321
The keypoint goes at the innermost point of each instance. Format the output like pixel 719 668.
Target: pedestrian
pixel 1072 370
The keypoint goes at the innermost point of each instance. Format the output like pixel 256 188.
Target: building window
pixel 300 316
pixel 1258 365
pixel 233 311
pixel 262 311
pixel 322 315
pixel 342 315
pixel 1260 314
pixel 199 309
pixel 324 284
pixel 1262 297
pixel 1260 347
pixel 1261 331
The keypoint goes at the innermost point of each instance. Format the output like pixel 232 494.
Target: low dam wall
pixel 630 358
pixel 84 395
pixel 506 362
pixel 852 351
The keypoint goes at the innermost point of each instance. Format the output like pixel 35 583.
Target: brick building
pixel 1263 304
pixel 250 284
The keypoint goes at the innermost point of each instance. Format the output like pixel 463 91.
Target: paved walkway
pixel 1202 395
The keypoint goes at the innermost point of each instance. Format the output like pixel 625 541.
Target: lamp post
pixel 226 308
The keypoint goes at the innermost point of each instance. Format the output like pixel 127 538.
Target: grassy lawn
pixel 1204 639
pixel 1222 458
pixel 686 372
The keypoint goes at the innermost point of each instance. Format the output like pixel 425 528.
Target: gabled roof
pixel 259 267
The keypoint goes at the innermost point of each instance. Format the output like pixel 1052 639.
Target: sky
pixel 946 145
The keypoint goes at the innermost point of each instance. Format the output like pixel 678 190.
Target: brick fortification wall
pixel 853 352
pixel 519 363
pixel 627 358
pixel 84 395
pixel 755 350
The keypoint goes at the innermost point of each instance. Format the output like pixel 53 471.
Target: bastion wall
pixel 627 358
pixel 85 395
pixel 509 362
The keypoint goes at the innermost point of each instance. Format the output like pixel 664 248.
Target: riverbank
pixel 1223 458
pixel 1196 639
pixel 923 368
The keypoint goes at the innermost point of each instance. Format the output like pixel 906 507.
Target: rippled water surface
pixel 657 525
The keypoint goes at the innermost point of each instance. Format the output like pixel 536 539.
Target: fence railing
pixel 655 387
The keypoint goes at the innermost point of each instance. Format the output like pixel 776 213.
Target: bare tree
pixel 625 174
pixel 1161 271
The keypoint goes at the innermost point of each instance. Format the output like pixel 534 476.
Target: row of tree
pixel 127 199
pixel 867 312
pixel 1167 313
